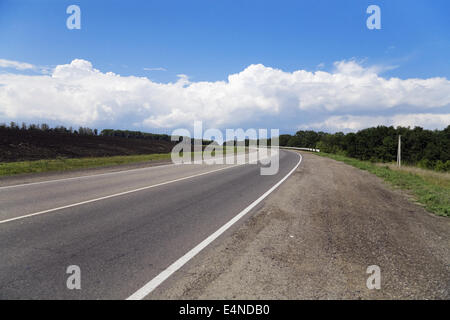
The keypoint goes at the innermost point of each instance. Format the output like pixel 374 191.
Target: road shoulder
pixel 314 238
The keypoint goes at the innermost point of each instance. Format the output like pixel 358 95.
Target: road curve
pixel 122 229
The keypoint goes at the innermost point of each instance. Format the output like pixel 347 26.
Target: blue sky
pixel 209 40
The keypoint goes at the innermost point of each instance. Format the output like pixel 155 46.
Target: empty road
pixel 121 228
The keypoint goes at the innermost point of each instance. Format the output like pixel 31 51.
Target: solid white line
pixel 160 278
pixel 114 195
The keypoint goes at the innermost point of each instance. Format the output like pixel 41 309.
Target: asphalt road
pixel 122 229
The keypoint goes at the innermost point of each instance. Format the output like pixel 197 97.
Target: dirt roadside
pixel 314 238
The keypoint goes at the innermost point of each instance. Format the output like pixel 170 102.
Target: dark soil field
pixel 23 145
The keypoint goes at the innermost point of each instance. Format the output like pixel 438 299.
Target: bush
pixel 439 166
pixel 447 166
pixel 442 166
pixel 424 164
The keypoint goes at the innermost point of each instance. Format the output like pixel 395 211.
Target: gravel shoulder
pixel 314 238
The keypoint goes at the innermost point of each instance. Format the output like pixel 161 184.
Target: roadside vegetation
pixel 427 187
pixel 11 168
pixel 428 149
pixel 65 164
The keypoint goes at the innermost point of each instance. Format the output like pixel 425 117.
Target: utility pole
pixel 399 151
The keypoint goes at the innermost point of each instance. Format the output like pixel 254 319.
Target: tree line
pixel 85 131
pixel 425 148
pixel 46 128
pixel 134 134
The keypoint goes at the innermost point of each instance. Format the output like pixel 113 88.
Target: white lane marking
pixel 160 278
pixel 114 195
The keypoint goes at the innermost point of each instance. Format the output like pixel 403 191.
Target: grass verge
pixel 11 168
pixel 65 164
pixel 431 189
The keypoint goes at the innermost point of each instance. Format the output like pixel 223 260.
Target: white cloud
pixel 155 69
pixel 354 123
pixel 79 94
pixel 321 65
pixel 15 64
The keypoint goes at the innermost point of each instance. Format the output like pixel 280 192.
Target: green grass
pixel 432 190
pixel 65 164
pixel 11 168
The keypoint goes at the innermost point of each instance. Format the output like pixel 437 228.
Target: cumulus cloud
pixel 354 123
pixel 79 94
pixel 15 64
